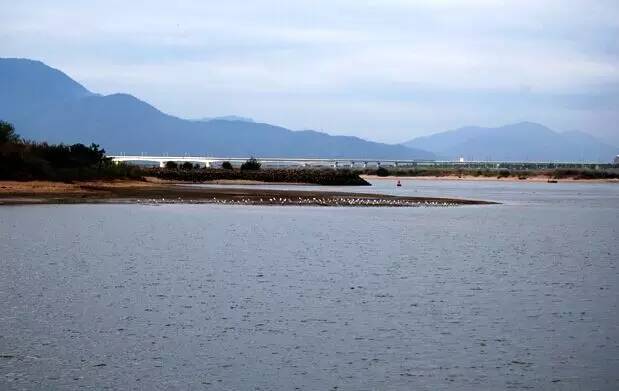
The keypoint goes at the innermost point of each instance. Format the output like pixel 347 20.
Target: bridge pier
pixel 162 164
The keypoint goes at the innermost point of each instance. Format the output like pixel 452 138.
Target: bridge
pixel 211 161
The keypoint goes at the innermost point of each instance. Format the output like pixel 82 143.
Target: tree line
pixel 251 164
pixel 25 160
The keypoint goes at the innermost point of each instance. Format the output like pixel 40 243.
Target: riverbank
pixel 130 191
pixel 326 177
pixel 536 179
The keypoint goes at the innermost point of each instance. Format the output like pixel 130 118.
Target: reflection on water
pixel 513 296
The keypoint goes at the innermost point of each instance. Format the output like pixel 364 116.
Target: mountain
pixel 226 118
pixel 45 104
pixel 525 141
pixel 28 85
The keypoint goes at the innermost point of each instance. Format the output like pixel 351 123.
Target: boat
pixel 398 184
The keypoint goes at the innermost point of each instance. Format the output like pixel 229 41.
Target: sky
pixel 387 70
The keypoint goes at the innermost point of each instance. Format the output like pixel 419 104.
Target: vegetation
pixel 251 165
pixel 27 160
pixel 315 176
pixel 562 173
pixel 226 165
pixel 503 174
pixel 382 171
pixel 7 133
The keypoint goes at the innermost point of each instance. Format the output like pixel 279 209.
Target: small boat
pixel 552 180
pixel 398 184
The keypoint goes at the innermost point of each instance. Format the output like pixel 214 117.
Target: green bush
pixel 503 174
pixel 251 165
pixel 226 165
pixel 382 171
pixel 26 160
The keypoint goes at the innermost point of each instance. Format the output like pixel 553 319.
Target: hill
pixel 525 141
pixel 45 104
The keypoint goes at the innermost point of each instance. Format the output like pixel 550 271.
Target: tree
pixel 171 165
pixel 186 166
pixel 7 133
pixel 226 165
pixel 69 156
pixel 251 164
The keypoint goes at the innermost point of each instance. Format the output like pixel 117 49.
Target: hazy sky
pixel 385 70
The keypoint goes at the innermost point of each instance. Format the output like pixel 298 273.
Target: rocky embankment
pixel 326 177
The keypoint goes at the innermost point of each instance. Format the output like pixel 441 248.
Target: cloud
pixel 387 70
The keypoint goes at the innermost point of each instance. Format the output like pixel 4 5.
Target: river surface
pixel 521 295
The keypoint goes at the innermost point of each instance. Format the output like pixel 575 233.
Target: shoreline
pixel 532 179
pixel 144 192
pixel 226 182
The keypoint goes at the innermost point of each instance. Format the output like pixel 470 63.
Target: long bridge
pixel 211 161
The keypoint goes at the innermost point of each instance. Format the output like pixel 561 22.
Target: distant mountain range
pixel 45 104
pixel 525 141
pixel 226 118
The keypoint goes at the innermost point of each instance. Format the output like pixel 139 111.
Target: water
pixel 521 295
pixel 506 192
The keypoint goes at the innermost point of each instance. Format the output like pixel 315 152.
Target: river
pixel 521 295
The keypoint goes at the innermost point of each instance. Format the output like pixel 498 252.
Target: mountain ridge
pixel 47 105
pixel 522 141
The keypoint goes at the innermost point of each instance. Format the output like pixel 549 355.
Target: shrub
pixel 503 174
pixel 251 165
pixel 171 165
pixel 226 165
pixel 69 156
pixel 382 171
pixel 186 166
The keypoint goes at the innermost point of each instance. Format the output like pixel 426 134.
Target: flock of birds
pixel 311 201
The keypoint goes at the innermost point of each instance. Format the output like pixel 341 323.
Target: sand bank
pixel 42 192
